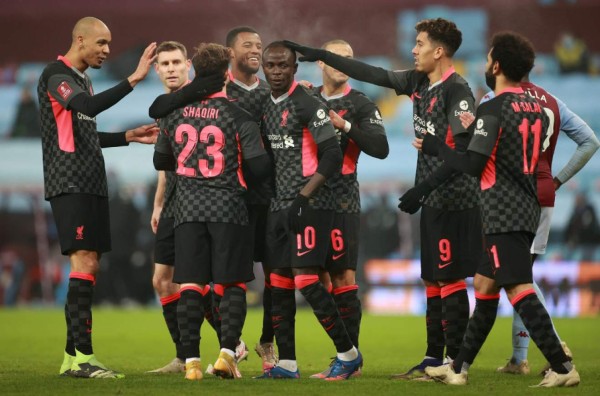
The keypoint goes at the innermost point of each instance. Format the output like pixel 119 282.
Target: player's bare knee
pixel 485 285
pixel 84 261
pixel 513 291
pixel 443 283
pixel 343 278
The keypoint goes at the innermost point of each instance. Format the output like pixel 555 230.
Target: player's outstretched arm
pixel 352 67
pixel 146 60
pixel 199 88
pixel 585 138
pixel 145 134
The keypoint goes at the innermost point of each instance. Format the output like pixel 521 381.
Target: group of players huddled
pixel 254 171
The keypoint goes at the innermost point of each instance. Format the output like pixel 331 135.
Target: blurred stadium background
pixel 32 271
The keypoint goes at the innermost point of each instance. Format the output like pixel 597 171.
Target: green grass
pixel 133 341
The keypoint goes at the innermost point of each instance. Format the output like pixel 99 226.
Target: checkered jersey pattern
pixel 168 209
pixel 252 100
pixel 289 126
pixel 82 169
pixel 430 111
pixel 356 108
pixel 205 140
pixel 508 186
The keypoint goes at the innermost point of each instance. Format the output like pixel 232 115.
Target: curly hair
pixel 441 31
pixel 210 58
pixel 514 53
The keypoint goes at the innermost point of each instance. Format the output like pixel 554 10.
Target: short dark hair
pixel 279 44
pixel 441 31
pixel 210 58
pixel 333 42
pixel 167 46
pixel 514 54
pixel 233 33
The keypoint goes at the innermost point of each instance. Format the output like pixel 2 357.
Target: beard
pixel 244 67
pixel 490 80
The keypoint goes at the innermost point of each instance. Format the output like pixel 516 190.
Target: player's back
pixel 206 145
pixel 508 183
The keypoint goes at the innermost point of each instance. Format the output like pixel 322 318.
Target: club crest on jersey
pixel 79 232
pixel 64 90
pixel 284 117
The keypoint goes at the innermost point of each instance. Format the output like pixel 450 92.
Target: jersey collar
pixel 445 76
pixel 516 90
pixel 285 95
pixel 69 64
pixel 337 96
pixel 219 94
pixel 241 84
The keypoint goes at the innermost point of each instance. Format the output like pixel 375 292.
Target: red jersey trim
pixel 350 158
pixel 488 177
pixel 64 126
pixel 220 94
pixel 448 73
pixel 518 90
pixel 294 85
pixel 309 154
pixel 240 173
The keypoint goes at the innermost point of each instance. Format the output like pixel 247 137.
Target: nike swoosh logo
pixel 337 256
pixel 440 266
pixel 303 253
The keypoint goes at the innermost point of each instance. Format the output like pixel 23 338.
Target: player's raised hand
pixel 310 54
pixel 466 119
pixel 146 61
pixel 145 134
pixel 337 121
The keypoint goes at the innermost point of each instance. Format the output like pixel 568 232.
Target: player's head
pixel 279 65
pixel 331 75
pixel 90 40
pixel 511 55
pixel 436 38
pixel 246 49
pixel 172 64
pixel 211 58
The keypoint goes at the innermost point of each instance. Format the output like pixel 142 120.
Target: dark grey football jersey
pixel 294 124
pixel 210 140
pixel 356 108
pixel 252 99
pixel 437 108
pixel 510 129
pixel 72 156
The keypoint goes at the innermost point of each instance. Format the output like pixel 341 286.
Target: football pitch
pixel 134 341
